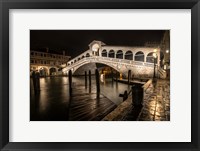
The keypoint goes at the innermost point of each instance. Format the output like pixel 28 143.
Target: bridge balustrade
pixel 109 60
pixel 149 64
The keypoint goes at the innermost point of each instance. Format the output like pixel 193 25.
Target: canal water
pixel 53 100
pixel 108 88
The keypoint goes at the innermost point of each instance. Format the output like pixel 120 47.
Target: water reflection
pixel 53 101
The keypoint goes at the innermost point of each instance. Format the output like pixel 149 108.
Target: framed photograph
pixel 99 75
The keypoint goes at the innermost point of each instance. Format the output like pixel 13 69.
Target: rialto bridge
pixel 140 60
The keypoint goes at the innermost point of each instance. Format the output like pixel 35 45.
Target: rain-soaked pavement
pixel 156 105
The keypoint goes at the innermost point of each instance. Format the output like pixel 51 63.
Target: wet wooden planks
pixel 86 106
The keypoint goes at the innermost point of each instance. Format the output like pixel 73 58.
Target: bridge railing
pixel 110 60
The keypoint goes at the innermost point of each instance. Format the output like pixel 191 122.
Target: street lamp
pixel 155 58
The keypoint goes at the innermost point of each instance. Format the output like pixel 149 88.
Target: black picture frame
pixel 5 5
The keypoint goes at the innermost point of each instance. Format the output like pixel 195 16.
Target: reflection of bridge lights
pixel 102 77
pixel 120 76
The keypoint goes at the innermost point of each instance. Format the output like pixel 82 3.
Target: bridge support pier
pixel 97 82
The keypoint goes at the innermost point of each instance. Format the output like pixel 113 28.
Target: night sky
pixel 75 42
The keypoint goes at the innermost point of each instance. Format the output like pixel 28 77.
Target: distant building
pixel 164 46
pixel 48 63
pixel 165 50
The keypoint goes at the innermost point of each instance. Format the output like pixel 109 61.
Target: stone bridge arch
pixel 100 62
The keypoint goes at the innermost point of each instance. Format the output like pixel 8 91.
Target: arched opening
pixel 104 53
pixel 150 58
pixel 83 57
pixel 68 64
pixel 87 55
pixel 139 56
pixel 129 55
pixel 43 72
pixel 52 71
pixel 79 59
pixel 111 54
pixel 119 54
pixel 74 61
pixel 99 66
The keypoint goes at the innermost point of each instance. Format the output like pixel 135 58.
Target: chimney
pixel 63 53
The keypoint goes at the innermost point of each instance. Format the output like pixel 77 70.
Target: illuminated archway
pixel 119 54
pixel 104 53
pixel 150 58
pixel 43 71
pixel 139 56
pixel 52 71
pixel 87 55
pixel 129 55
pixel 111 54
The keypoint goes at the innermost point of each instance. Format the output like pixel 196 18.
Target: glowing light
pixel 155 50
pixel 120 76
pixel 154 55
pixel 167 51
pixel 102 78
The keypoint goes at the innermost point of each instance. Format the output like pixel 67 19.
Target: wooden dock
pixel 55 105
pixel 85 106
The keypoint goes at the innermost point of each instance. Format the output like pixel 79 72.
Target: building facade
pixel 47 63
pixel 165 50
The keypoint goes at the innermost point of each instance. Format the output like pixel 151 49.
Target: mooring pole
pixel 34 82
pixel 112 76
pixel 86 79
pixel 129 76
pixel 89 78
pixel 70 82
pixel 116 77
pixel 97 82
